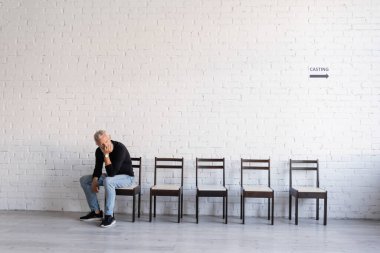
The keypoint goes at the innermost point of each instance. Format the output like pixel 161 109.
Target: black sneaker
pixel 91 216
pixel 108 221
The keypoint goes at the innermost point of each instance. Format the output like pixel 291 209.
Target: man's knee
pixel 84 180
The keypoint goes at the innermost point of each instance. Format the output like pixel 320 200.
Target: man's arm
pixel 98 164
pixel 97 170
pixel 118 157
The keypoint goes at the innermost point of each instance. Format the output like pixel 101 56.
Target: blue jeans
pixel 110 184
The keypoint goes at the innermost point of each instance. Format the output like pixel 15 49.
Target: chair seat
pixel 128 187
pixel 309 189
pixel 171 187
pixel 212 188
pixel 257 188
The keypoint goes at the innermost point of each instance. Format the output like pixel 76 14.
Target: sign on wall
pixel 318 72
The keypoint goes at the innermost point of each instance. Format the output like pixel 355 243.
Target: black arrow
pixel 319 76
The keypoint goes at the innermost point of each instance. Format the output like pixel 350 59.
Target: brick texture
pixel 190 79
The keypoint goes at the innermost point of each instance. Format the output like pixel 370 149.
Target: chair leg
pixel 296 211
pixel 154 206
pixel 134 207
pixel 272 209
pixel 138 205
pixel 268 208
pixel 150 207
pixel 325 212
pixel 196 208
pixel 243 208
pixel 179 207
pixel 181 204
pixel 223 207
pixel 226 207
pixel 317 209
pixel 290 206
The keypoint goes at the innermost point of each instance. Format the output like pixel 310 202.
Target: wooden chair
pixel 167 189
pixel 257 191
pixel 313 192
pixel 133 190
pixel 211 190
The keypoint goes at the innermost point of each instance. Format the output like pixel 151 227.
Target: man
pixel 118 165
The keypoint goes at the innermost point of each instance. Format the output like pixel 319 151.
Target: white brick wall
pixel 193 79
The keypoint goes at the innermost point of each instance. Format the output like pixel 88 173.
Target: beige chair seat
pixel 309 189
pixel 166 187
pixel 128 187
pixel 258 188
pixel 212 188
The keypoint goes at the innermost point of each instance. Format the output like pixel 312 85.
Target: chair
pixel 132 190
pixel 167 189
pixel 211 190
pixel 257 191
pixel 313 192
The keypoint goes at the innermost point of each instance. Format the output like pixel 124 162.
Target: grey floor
pixel 35 231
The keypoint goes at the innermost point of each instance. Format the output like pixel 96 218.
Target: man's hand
pixel 107 148
pixel 95 185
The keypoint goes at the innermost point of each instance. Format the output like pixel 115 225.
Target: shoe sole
pixel 92 219
pixel 110 225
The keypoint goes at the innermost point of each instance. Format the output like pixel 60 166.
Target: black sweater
pixel 120 159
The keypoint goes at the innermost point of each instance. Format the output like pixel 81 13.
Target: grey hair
pixel 99 134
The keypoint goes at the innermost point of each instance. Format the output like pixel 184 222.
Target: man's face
pixel 103 141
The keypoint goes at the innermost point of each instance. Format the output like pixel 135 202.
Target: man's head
pixel 102 138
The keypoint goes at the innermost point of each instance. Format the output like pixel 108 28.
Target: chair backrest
pixel 254 164
pixel 168 163
pixel 209 163
pixel 136 164
pixel 305 165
